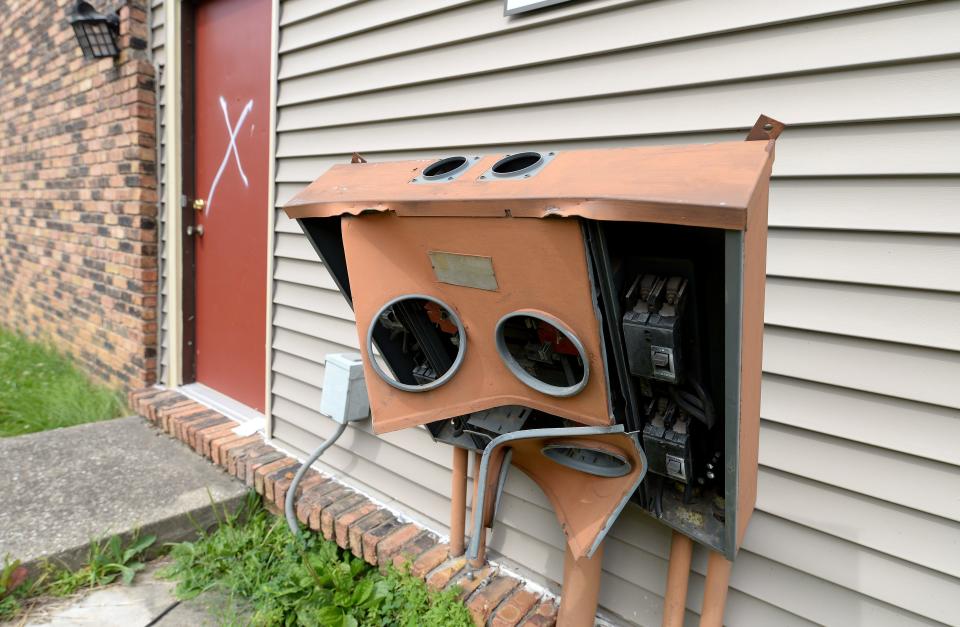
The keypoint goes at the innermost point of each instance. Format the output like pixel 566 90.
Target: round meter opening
pixel 541 352
pixel 430 338
pixel 444 168
pixel 593 461
pixel 515 165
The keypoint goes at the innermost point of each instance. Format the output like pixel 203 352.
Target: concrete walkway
pixel 61 488
pixel 148 602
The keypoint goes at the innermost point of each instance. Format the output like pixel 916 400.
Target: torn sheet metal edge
pixel 478 512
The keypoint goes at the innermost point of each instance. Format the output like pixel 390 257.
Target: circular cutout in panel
pixel 444 168
pixel 516 165
pixel 593 460
pixel 429 335
pixel 541 352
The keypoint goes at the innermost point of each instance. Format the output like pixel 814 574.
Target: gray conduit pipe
pixel 292 521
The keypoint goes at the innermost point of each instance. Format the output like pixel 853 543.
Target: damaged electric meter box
pixel 592 317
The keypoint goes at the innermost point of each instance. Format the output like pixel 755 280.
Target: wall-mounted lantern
pixel 96 33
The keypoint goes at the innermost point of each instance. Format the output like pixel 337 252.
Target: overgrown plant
pixel 12 579
pixel 41 389
pixel 106 562
pixel 285 580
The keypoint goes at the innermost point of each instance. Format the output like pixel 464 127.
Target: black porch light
pixel 96 33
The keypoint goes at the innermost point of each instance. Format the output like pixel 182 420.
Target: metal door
pixel 231 99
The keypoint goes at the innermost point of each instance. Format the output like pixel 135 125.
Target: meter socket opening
pixel 445 169
pixel 431 335
pixel 543 353
pixel 516 165
pixel 588 459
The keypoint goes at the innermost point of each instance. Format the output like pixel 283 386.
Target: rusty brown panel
pixel 698 185
pixel 539 264
pixel 585 505
pixel 751 351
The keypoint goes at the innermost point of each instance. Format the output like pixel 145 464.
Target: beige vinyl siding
pixel 157 40
pixel 858 520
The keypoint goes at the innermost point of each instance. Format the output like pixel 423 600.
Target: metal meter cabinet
pixel 617 294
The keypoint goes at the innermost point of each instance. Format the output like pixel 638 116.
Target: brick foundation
pixel 368 529
pixel 78 190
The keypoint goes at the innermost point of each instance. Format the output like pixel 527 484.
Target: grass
pixel 279 579
pixel 41 389
pixel 107 562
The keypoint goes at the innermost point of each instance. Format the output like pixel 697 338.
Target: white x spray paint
pixel 232 132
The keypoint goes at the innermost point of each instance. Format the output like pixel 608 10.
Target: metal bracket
pixel 357 158
pixel 765 129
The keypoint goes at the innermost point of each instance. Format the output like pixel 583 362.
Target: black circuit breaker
pixel 652 328
pixel 666 441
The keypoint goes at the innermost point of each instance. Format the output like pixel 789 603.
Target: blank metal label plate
pixel 464 270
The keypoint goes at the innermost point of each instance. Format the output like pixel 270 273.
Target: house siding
pixel 157 44
pixel 856 520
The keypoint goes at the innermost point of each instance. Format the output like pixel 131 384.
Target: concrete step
pixel 59 489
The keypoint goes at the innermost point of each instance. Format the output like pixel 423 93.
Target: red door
pixel 232 100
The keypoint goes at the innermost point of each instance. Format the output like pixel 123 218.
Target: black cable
pixel 708 408
pixel 687 407
pixel 156 619
pixel 696 401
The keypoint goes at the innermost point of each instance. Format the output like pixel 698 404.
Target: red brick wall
pixel 78 190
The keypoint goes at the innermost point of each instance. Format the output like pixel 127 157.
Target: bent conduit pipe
pixel 458 501
pixel 292 490
pixel 581 583
pixel 480 473
pixel 678 578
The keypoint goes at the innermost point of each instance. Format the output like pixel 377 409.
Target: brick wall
pixel 78 190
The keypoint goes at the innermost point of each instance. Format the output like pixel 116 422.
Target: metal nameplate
pixel 464 270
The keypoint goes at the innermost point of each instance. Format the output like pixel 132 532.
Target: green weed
pixel 40 389
pixel 284 580
pixel 13 579
pixel 106 562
